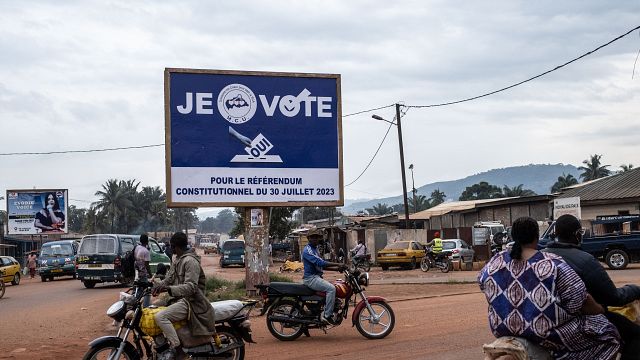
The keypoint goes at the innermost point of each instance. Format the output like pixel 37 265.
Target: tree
pixel 224 221
pixel 437 197
pixel 113 201
pixel 281 222
pixel 380 209
pixel 517 191
pixel 481 190
pixel 319 212
pixel 398 208
pixel 182 219
pixel 421 203
pixel 76 218
pixel 238 228
pixel 563 182
pixel 625 167
pixel 593 168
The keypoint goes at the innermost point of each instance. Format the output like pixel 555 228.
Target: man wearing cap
pixel 313 271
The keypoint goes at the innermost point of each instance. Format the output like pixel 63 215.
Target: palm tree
pixel 626 167
pixel 152 205
pixel 380 209
pixel 182 219
pixel 421 203
pixel 593 168
pixel 517 191
pixel 437 197
pixel 113 201
pixel 564 181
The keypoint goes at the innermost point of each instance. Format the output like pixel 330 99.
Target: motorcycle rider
pixel 185 284
pixel 313 270
pixel 567 245
pixel 436 245
pixel 359 252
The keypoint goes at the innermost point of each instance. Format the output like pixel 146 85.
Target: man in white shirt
pixel 143 257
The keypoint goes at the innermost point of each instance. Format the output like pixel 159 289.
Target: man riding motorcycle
pixel 436 245
pixel 313 271
pixel 599 285
pixel 359 251
pixel 185 284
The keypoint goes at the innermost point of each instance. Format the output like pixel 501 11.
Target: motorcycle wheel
pixel 281 331
pixel 227 338
pixel 446 266
pixel 104 351
pixel 372 329
pixel 424 264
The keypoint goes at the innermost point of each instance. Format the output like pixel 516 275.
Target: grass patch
pixel 221 289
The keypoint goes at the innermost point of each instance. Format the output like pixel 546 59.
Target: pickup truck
pixel 281 246
pixel 612 239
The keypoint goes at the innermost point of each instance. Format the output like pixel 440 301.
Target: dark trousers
pixel 630 333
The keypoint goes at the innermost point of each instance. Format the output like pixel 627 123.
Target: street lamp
pixel 404 177
pixel 413 183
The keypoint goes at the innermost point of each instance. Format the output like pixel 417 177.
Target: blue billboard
pixel 253 138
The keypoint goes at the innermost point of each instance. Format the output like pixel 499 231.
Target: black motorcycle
pixel 436 260
pixel 293 309
pixel 232 330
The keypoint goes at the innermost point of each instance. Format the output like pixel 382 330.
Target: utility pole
pixel 256 237
pixel 404 177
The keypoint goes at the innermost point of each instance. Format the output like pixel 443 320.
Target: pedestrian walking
pixel 32 261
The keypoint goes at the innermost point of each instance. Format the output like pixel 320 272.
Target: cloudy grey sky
pixel 78 75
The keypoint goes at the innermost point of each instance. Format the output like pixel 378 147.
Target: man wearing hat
pixel 313 270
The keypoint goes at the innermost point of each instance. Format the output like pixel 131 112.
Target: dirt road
pixel 56 320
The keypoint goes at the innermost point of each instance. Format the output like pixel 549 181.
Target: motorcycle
pixel 293 309
pixel 436 260
pixel 232 330
pixel 362 262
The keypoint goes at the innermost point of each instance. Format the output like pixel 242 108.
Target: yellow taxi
pixel 10 270
pixel 401 253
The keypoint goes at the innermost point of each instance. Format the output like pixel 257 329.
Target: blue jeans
pixel 317 283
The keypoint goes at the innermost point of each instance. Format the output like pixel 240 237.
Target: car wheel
pixel 384 267
pixel 89 284
pixel 413 264
pixel 16 279
pixel 43 278
pixel 617 259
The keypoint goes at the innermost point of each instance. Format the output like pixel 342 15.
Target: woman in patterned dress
pixel 537 296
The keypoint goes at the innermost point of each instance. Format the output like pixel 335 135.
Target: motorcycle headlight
pixel 117 311
pixel 363 279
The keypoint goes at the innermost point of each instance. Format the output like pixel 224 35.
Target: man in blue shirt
pixel 313 270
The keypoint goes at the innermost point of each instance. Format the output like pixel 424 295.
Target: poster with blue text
pixel 240 138
pixel 32 212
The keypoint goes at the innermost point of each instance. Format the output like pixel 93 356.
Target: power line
pixel 80 151
pixel 370 110
pixel 391 123
pixel 531 78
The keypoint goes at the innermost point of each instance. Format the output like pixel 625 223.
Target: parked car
pixel 232 253
pixel 10 269
pixel 209 248
pixel 58 258
pixel 459 250
pixel 401 253
pixel 100 257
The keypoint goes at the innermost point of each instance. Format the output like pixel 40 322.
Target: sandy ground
pixel 56 320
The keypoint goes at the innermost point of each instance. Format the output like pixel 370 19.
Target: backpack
pixel 129 263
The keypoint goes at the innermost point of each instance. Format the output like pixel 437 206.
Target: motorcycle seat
pixel 283 288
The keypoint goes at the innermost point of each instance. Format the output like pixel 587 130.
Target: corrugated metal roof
pixel 620 186
pixel 448 207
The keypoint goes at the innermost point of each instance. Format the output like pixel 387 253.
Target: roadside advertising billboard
pixel 33 212
pixel 240 138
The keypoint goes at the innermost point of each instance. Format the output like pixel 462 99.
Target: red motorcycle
pixel 293 309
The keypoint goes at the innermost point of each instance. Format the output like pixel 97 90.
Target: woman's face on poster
pixel 50 200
